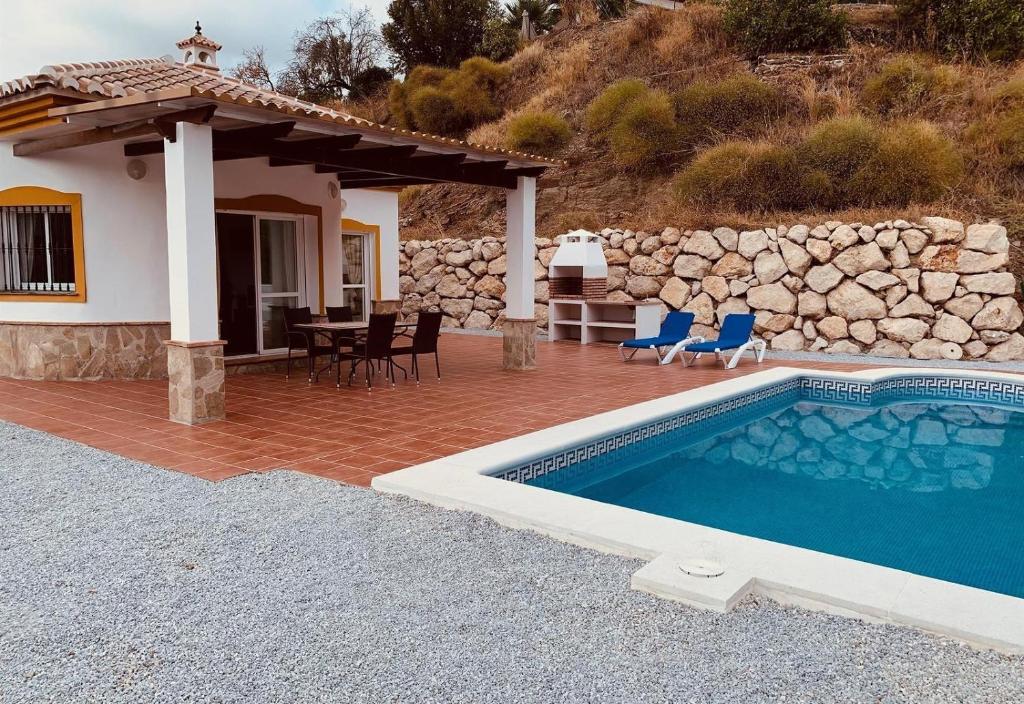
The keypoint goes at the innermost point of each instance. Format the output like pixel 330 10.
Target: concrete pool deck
pixel 788 574
pixel 285 587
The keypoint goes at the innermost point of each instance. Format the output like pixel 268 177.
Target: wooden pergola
pixel 362 154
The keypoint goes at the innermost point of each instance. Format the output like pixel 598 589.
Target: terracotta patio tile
pixel 350 434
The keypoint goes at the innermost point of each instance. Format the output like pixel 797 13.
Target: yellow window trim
pixel 37 195
pixel 272 203
pixel 355 226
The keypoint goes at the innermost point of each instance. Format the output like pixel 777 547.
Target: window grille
pixel 37 252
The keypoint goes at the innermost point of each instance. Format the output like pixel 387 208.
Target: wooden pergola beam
pixel 99 135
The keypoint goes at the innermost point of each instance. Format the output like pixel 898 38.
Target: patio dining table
pixel 334 330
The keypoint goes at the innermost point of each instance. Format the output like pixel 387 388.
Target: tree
pixel 331 55
pixel 542 13
pixel 764 26
pixel 252 69
pixel 977 29
pixel 435 32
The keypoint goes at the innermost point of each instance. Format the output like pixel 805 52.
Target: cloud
pixel 34 33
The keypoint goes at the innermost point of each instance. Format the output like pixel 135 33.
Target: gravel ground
pixel 121 582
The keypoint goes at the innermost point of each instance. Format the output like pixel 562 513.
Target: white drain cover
pixel 702 567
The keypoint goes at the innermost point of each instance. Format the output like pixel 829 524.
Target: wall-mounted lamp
pixel 136 169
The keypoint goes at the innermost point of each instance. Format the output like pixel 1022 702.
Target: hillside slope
pixel 669 50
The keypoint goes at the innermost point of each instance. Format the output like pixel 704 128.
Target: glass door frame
pixel 369 268
pixel 300 261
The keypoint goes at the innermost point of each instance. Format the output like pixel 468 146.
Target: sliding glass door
pixel 279 280
pixel 261 273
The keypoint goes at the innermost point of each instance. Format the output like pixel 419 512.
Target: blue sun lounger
pixel 674 333
pixel 737 333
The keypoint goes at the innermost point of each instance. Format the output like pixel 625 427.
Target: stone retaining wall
pixel 933 290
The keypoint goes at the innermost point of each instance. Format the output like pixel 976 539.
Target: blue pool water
pixel 932 488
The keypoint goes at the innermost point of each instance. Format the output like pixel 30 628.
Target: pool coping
pixel 788 574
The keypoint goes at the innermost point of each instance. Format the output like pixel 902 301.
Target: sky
pixel 34 33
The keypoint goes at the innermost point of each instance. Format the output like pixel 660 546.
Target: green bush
pixel 843 162
pixel 538 133
pixel 734 107
pixel 764 26
pixel 983 29
pixel 605 109
pixel 914 163
pixel 644 131
pixel 748 176
pixel 433 110
pixel 400 92
pixel 835 150
pixel 447 102
pixel 907 83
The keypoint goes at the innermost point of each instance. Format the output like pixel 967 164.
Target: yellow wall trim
pixel 37 195
pixel 349 225
pixel 272 203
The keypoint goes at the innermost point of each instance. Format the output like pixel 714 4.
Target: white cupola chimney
pixel 199 51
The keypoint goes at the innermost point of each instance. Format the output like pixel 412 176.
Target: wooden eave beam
pixel 370 182
pixel 99 135
pixel 354 157
pixel 165 124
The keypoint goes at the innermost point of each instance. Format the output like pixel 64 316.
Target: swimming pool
pixel 891 494
pixel 934 488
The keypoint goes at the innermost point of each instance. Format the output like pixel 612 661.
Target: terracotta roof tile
pixel 127 77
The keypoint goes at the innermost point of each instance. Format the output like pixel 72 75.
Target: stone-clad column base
pixel 195 388
pixel 519 344
pixel 387 306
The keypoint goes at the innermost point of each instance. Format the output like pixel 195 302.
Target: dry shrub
pixel 1000 137
pixel 736 106
pixel 1008 135
pixel 1009 95
pixel 645 131
pixel 838 149
pixel 569 67
pixel 908 84
pixel 581 12
pixel 914 163
pixel 605 110
pixel 746 176
pixel 538 133
pixel 527 62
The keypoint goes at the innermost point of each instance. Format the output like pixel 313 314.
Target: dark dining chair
pixel 342 314
pixel 303 339
pixel 424 341
pixel 374 346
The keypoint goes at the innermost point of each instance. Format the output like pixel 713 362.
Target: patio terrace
pixel 352 435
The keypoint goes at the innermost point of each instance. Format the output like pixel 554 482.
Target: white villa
pixel 156 217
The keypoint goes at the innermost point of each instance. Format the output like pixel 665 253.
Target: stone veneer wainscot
pixel 83 351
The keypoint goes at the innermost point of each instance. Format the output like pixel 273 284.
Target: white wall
pixel 125 228
pixel 124 232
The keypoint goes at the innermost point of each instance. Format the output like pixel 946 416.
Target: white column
pixel 191 238
pixel 520 248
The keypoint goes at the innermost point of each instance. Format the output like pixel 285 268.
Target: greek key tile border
pixel 718 416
